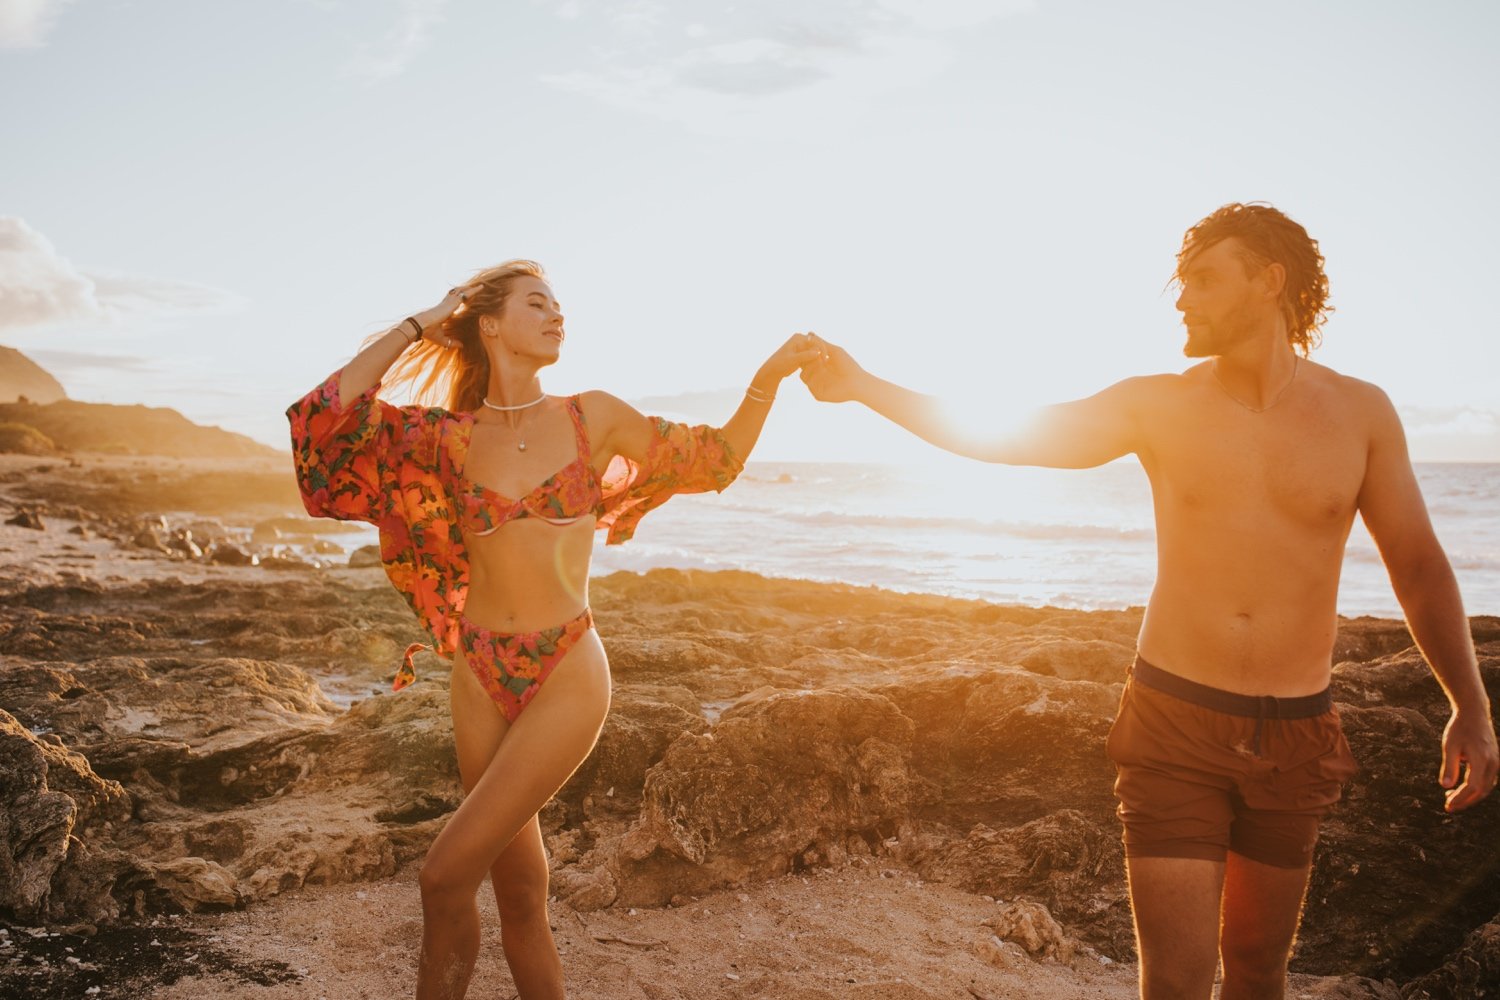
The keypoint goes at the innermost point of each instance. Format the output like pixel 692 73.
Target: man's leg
pixel 1262 906
pixel 1176 907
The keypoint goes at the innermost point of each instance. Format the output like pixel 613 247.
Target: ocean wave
pixel 976 526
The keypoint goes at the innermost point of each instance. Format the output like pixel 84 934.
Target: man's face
pixel 1218 301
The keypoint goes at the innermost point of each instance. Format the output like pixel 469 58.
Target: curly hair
pixel 1266 236
pixel 458 376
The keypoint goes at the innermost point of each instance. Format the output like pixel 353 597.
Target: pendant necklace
pixel 521 443
pixel 1214 370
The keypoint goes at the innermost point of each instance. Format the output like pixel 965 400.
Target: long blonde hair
pixel 460 373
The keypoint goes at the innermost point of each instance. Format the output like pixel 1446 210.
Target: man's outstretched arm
pixel 1392 507
pixel 1075 435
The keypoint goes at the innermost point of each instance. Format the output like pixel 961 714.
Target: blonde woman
pixel 487 510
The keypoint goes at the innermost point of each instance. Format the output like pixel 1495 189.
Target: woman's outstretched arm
pixel 629 433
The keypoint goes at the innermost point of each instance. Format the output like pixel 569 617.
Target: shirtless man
pixel 1258 459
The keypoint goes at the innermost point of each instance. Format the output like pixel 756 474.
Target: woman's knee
pixel 441 884
pixel 521 894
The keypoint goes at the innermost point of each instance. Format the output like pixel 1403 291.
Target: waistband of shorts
pixel 1249 706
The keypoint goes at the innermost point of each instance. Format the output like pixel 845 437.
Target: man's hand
pixel 835 376
pixel 1469 738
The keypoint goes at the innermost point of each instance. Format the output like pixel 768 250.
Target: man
pixel 1227 750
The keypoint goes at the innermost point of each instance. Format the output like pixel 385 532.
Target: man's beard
pixel 1217 339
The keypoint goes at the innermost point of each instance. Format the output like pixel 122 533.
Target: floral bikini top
pixel 568 495
pixel 400 469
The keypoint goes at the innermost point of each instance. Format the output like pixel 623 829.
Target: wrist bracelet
pixel 414 325
pixel 759 395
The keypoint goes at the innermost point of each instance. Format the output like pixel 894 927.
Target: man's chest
pixel 1304 464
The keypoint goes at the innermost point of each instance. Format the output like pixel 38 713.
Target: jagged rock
pixel 1471 971
pixel 1001 954
pixel 585 890
pixel 1397 883
pixel 193 884
pixel 51 800
pixel 1071 862
pixel 1099 660
pixel 1008 746
pixel 1029 925
pixel 773 782
pixel 365 557
pixel 643 722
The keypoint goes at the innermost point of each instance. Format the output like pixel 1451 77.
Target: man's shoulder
pixel 1354 391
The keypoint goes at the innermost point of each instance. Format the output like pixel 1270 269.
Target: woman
pixel 487 510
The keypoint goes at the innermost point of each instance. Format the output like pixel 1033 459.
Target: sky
pixel 209 206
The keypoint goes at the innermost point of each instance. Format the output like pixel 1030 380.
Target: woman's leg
pixel 519 875
pixel 535 755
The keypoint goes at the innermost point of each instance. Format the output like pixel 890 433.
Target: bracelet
pixel 414 325
pixel 759 395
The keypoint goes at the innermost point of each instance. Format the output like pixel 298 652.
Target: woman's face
pixel 529 324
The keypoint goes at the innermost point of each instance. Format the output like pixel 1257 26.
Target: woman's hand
pixel 434 321
pixel 834 377
pixel 799 349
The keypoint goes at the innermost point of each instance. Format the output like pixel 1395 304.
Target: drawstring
pixel 1266 706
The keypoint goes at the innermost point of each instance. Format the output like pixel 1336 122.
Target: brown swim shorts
pixel 1201 771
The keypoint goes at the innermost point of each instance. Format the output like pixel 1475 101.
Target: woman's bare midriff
pixel 529 574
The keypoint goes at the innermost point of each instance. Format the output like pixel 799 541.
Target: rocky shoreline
pixel 860 793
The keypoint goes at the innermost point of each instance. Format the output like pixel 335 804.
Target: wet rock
pixel 283 562
pixel 226 553
pixel 27 518
pixel 182 543
pixel 265 533
pixel 149 539
pixel 365 557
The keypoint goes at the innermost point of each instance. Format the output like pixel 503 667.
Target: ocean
pixel 1069 538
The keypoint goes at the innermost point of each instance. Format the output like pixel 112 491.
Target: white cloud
pixel 38 287
pixel 25 23
pixel 1452 433
pixel 734 67
pixel 394 52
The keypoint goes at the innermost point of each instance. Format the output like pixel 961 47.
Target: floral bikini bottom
pixel 512 665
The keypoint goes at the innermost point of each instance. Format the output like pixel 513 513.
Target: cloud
pixel 38 287
pixel 72 361
pixel 25 23
pixel 1452 433
pixel 393 53
pixel 727 66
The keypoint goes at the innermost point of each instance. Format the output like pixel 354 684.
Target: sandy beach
pixel 804 790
